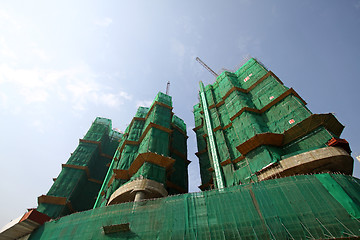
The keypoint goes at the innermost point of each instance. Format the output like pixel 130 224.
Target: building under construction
pixel 270 169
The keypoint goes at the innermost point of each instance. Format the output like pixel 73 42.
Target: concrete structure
pixel 250 127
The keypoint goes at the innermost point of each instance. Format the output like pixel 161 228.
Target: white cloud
pixel 247 44
pixel 125 95
pixel 178 48
pixel 78 85
pixel 5 51
pixel 143 103
pixel 8 21
pixel 41 54
pixel 3 100
pixel 39 125
pixel 104 22
pixel 34 95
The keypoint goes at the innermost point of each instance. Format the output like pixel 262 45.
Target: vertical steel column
pixel 213 152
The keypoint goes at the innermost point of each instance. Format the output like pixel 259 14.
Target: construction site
pixel 269 168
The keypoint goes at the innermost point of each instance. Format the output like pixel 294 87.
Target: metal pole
pixel 213 152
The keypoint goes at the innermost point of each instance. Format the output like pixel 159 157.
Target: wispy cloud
pixel 143 103
pixel 5 50
pixel 77 85
pixel 41 54
pixel 178 48
pixel 357 5
pixel 9 21
pixel 104 22
pixel 248 44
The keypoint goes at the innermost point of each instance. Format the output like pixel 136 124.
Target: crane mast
pixel 206 67
pixel 167 88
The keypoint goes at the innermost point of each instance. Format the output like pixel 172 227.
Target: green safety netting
pixel 154 130
pixel 247 103
pixel 80 178
pixel 152 172
pixel 299 207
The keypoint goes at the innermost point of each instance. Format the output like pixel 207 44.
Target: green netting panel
pixel 178 142
pixel 314 140
pixel 163 98
pixel 84 198
pixel 84 154
pixel 352 205
pixel 217 92
pixel 141 112
pixel 180 175
pixel 242 173
pixel 110 147
pixel 128 155
pixel 210 98
pixel 115 135
pixel 232 141
pixel 179 123
pixel 152 172
pixel 204 162
pixel 288 208
pixel 262 156
pixel 156 141
pixel 288 121
pixel 197 115
pixel 201 143
pixel 236 101
pixel 67 181
pixel 136 130
pixel 245 67
pixel 103 121
pixel 53 211
pixel 83 194
pixel 229 175
pixel 88 154
pixel 251 76
pixel 248 124
pixel 224 115
pixel 159 115
pixel 215 121
pixel 227 82
pixel 280 115
pixel 222 148
pixel 99 168
pixel 266 92
pixel 99 130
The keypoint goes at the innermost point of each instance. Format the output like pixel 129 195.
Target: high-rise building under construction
pixel 257 145
pixel 250 127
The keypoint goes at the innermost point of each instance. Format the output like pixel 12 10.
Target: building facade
pixel 250 127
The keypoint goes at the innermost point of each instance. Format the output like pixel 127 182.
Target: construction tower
pixel 250 127
pixel 151 159
pixel 271 168
pixel 78 184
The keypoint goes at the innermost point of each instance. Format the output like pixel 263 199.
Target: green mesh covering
pixel 179 123
pixel 314 140
pixel 299 207
pixel 141 112
pixel 163 98
pixel 243 105
pixel 341 192
pixel 153 130
pixel 152 172
pixel 156 141
pixel 80 178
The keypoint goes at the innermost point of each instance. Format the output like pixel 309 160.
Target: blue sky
pixel 63 63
